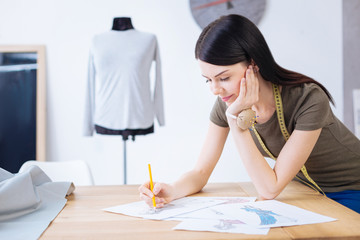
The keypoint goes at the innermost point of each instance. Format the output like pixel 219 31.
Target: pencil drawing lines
pixel 234 200
pixel 226 224
pixel 154 211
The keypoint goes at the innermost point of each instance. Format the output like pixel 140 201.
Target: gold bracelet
pixel 245 118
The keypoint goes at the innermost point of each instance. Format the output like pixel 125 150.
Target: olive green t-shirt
pixel 334 163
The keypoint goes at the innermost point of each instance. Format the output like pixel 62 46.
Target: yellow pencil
pixel 152 186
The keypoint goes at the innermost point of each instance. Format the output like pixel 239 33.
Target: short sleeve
pixel 217 115
pixel 314 111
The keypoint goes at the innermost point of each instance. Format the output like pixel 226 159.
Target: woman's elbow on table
pixel 269 194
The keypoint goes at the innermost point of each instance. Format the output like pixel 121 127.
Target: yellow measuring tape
pixel 286 135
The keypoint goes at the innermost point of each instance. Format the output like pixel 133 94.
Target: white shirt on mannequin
pixel 119 92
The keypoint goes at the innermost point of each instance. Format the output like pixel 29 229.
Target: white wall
pixel 304 35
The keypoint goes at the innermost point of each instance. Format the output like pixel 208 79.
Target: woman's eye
pixel 224 79
pixel 207 80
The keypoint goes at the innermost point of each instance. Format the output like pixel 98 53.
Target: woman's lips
pixel 225 99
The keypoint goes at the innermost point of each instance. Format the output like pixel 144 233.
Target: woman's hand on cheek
pixel 235 107
pixel 248 95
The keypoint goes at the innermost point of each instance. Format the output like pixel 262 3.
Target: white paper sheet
pixel 180 206
pixel 226 226
pixel 271 213
pixel 225 214
pixel 213 212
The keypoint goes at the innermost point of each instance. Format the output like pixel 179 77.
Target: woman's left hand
pixel 249 92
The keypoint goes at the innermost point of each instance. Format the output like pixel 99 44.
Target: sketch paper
pixel 221 225
pixel 271 213
pixel 213 212
pixel 224 214
pixel 180 206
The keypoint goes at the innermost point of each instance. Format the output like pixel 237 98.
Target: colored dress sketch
pixel 267 217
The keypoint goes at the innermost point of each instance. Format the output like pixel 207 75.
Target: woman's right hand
pixel 164 193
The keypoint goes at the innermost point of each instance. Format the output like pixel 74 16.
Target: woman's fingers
pixel 145 189
pixel 243 89
pixel 146 199
pixel 146 194
pixel 251 79
pixel 252 85
pixel 160 202
pixel 157 188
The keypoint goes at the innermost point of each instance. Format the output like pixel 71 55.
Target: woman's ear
pixel 253 63
pixel 256 68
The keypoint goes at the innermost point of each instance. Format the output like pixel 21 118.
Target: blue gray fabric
pixel 29 202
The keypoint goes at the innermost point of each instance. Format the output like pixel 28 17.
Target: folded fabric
pixel 29 198
pixel 18 195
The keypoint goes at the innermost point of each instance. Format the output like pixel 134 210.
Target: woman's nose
pixel 216 88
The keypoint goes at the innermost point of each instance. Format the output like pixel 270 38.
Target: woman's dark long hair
pixel 233 38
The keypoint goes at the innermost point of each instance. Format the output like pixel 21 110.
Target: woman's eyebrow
pixel 218 73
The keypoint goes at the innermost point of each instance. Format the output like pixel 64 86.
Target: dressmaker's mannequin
pixel 119 99
pixel 123 24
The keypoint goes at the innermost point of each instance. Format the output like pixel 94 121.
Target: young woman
pixel 294 122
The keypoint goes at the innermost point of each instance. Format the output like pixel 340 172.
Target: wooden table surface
pixel 82 217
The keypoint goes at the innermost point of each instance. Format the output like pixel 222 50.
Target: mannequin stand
pixel 125 136
pixel 125 177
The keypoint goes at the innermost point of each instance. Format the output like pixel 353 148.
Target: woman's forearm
pixel 261 174
pixel 189 183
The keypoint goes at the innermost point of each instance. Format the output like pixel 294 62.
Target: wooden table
pixel 82 217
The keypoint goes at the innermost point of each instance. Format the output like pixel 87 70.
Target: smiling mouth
pixel 225 99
